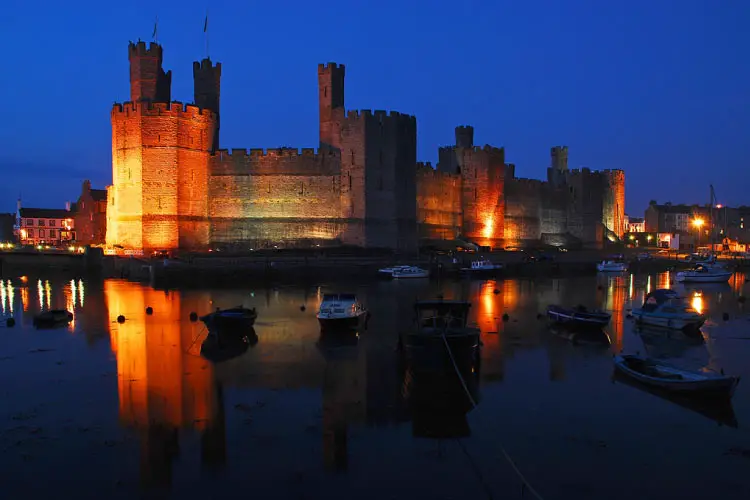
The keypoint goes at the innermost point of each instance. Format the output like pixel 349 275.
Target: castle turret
pixel 464 136
pixel 559 158
pixel 207 90
pixel 148 81
pixel 331 102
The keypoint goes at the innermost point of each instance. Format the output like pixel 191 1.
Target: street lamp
pixel 698 223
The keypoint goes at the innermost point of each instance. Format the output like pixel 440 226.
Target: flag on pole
pixel 156 23
pixel 205 24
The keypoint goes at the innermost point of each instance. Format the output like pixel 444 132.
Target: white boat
pixel 611 266
pixel 341 311
pixel 666 309
pixel 671 378
pixel 704 273
pixel 482 266
pixel 388 271
pixel 410 272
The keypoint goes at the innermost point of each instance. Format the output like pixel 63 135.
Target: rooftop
pixel 45 213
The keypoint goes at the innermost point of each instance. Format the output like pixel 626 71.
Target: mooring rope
pixel 520 475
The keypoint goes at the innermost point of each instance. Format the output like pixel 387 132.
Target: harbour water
pixel 100 408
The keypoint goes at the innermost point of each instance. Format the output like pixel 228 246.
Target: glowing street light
pixel 698 223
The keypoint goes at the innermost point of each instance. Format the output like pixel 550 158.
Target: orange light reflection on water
pixel 159 381
pixel 697 302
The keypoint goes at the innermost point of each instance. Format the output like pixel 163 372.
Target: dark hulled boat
pixel 440 338
pixel 236 318
pixel 53 317
pixel 578 317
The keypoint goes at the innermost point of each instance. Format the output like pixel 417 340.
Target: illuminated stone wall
pixel 287 196
pixel 614 201
pixel 159 194
pixel 438 203
pixel 522 210
pixel 482 194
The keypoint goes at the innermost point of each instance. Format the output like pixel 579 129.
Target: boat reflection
pixel 719 410
pixel 222 346
pixel 439 403
pixel 596 337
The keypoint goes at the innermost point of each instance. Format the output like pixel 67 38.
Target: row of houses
pixel 682 226
pixel 83 222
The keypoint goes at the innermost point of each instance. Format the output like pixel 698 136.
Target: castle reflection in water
pixel 166 387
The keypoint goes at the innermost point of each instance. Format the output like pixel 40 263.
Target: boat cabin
pixel 442 313
pixel 338 303
pixel 662 297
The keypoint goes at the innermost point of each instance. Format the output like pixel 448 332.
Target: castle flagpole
pixel 156 25
pixel 205 31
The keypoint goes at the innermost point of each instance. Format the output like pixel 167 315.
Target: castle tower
pixel 331 102
pixel 207 90
pixel 559 158
pixel 464 136
pixel 148 81
pixel 160 156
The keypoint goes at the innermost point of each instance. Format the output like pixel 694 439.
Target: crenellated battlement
pixel 239 154
pixel 206 64
pixel 330 66
pixel 421 165
pixel 379 114
pixel 139 49
pixel 175 108
pixel 276 161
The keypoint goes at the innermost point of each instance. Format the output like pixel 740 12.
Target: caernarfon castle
pixel 173 187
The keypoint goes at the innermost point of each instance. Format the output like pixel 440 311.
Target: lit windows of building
pixel 29 219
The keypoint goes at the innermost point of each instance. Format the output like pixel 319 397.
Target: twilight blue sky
pixel 659 88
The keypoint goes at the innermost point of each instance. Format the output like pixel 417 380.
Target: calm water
pixel 133 409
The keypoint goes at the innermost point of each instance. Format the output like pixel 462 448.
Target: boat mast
pixel 711 204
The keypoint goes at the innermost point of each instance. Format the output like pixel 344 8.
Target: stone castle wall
pixel 265 197
pixel 438 203
pixel 160 162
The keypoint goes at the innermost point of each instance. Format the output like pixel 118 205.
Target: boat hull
pixel 611 269
pixel 667 321
pixel 221 320
pixel 342 323
pixel 717 386
pixel 577 319
pixel 428 353
pixel 713 278
pixel 404 276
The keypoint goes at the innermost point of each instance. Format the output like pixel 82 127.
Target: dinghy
pixel 578 317
pixel 658 374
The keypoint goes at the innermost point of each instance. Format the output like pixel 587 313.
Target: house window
pixel 51 233
pixel 29 222
pixel 52 223
pixel 41 222
pixel 41 233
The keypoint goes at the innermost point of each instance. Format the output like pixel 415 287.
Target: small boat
pixel 237 318
pixel 440 339
pixel 341 311
pixel 704 273
pixel 388 271
pixel 482 266
pixel 666 309
pixel 611 266
pixel 719 410
pixel 578 316
pixel 658 374
pixel 410 272
pixel 53 317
